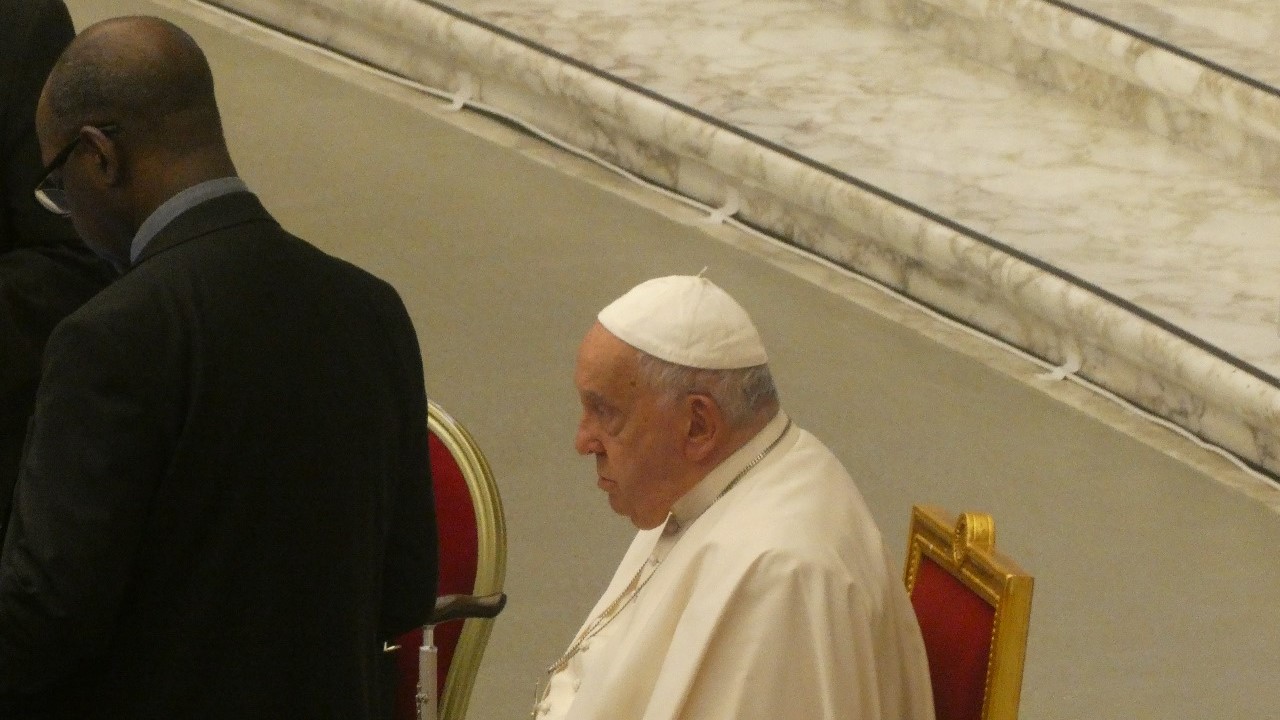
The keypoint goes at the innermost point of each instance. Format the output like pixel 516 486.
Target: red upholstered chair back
pixel 973 605
pixel 472 562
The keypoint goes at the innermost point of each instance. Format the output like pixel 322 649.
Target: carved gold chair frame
pixel 965 546
pixel 491 557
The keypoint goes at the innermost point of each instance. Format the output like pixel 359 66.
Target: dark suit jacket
pixel 225 505
pixel 45 272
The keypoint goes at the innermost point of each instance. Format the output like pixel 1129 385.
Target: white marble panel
pixel 1052 179
pixel 1188 101
pixel 1243 35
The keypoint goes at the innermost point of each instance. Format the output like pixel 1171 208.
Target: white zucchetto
pixel 688 321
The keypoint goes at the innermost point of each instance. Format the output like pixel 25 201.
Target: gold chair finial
pixel 974 531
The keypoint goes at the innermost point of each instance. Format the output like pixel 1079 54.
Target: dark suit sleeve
pixel 94 453
pixel 38 287
pixel 412 560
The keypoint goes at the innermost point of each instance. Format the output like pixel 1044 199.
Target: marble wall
pixel 1187 98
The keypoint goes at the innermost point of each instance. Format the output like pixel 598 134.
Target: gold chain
pixel 624 598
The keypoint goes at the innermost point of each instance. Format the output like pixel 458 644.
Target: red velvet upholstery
pixel 458 556
pixel 957 627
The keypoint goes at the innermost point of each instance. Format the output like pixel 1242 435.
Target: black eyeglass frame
pixel 52 196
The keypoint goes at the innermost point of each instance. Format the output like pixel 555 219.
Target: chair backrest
pixel 473 561
pixel 973 604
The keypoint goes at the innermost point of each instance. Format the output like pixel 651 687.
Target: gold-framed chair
pixel 473 562
pixel 973 604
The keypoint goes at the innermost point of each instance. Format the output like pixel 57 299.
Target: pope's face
pixel 634 435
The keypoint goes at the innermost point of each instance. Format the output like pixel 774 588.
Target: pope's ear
pixel 706 426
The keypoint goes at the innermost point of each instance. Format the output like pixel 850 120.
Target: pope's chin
pixel 615 501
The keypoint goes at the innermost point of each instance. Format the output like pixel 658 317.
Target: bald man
pixel 45 271
pixel 224 507
pixel 758 587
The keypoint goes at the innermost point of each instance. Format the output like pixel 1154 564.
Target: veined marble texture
pixel 1166 229
pixel 1243 35
pixel 1228 114
pixel 1159 226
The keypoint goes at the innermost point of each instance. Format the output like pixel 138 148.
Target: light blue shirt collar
pixel 178 204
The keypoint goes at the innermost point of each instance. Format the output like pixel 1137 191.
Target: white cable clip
pixel 1070 367
pixel 732 204
pixel 464 94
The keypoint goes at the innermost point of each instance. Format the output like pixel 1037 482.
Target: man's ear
pixel 107 160
pixel 706 427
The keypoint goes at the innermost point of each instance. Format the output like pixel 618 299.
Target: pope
pixel 757 585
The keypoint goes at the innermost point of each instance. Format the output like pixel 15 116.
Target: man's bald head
pixel 131 104
pixel 143 73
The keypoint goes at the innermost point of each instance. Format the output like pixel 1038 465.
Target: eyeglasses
pixel 49 191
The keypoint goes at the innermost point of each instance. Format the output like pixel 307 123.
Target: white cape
pixel 777 603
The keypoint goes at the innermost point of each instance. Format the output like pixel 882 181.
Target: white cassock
pixel 774 601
